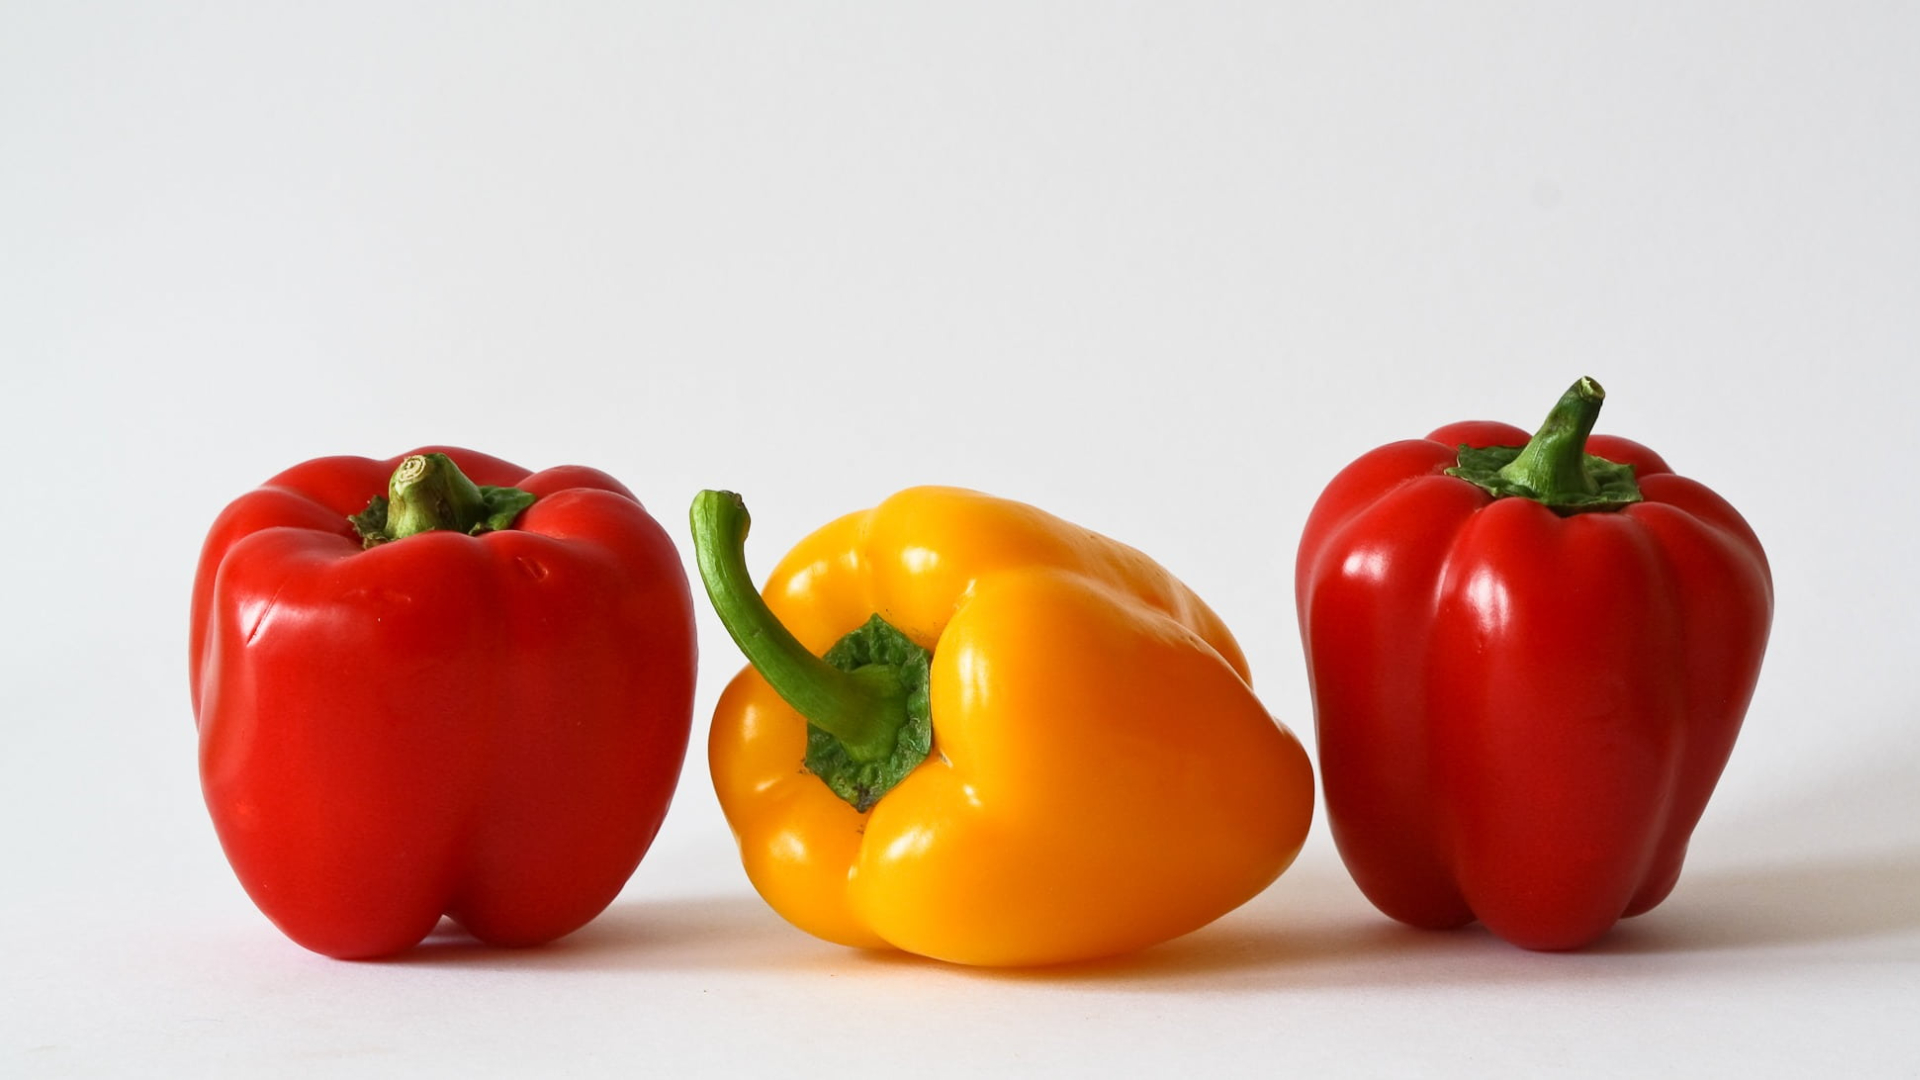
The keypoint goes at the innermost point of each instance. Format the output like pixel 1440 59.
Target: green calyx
pixel 869 721
pixel 428 493
pixel 878 647
pixel 1554 469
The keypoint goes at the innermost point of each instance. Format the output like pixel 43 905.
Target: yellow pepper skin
pixel 1102 776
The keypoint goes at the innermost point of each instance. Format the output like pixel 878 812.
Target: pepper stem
pixel 863 709
pixel 429 493
pixel 1554 468
pixel 1554 463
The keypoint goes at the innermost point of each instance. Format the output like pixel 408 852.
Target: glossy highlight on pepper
pixel 1100 775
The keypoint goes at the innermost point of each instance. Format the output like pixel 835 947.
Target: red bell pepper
pixel 1528 669
pixel 471 701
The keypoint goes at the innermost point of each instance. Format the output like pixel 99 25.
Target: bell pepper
pixel 471 699
pixel 1529 660
pixel 975 732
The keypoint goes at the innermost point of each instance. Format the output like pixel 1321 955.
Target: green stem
pixel 1554 468
pixel 1554 463
pixel 863 709
pixel 429 493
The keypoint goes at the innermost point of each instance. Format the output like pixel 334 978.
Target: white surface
pixel 1160 271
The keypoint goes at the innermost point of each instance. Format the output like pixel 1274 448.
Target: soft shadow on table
pixel 1830 866
pixel 1795 902
pixel 1789 905
pixel 1827 863
pixel 680 932
pixel 1311 930
pixel 1762 892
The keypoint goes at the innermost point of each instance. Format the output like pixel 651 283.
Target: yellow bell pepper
pixel 1100 778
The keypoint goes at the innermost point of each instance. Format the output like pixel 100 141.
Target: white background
pixel 1162 269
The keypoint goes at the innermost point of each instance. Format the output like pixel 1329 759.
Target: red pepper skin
pixel 487 727
pixel 1521 715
